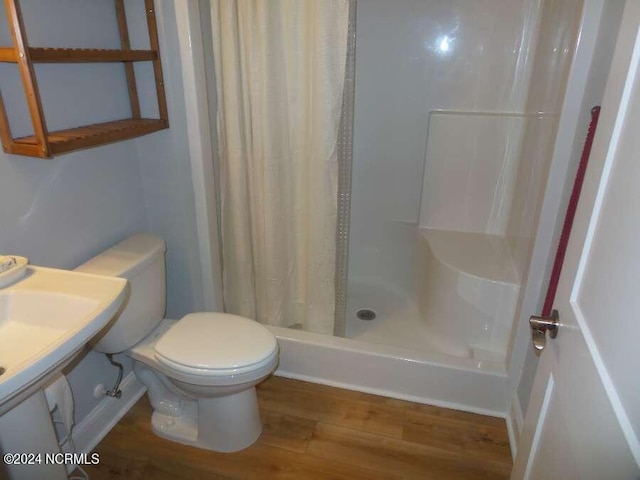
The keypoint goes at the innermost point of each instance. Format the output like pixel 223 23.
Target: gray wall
pixel 61 212
pixel 166 168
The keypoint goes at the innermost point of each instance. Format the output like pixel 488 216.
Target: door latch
pixel 539 328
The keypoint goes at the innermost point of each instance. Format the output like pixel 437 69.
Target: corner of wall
pixel 167 179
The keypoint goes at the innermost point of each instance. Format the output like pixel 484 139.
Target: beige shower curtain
pixel 280 68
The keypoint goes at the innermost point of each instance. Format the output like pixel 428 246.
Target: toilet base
pixel 223 424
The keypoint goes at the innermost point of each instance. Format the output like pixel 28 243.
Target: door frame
pixel 559 364
pixel 572 126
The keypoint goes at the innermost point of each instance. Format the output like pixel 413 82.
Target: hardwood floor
pixel 317 432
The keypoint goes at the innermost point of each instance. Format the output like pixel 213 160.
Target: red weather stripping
pixel 571 213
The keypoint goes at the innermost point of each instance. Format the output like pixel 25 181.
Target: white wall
pixel 61 212
pixel 415 56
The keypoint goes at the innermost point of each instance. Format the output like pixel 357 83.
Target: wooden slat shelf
pixel 79 55
pixel 88 55
pixel 89 136
pixel 44 144
pixel 8 54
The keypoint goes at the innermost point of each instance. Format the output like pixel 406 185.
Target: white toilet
pixel 200 371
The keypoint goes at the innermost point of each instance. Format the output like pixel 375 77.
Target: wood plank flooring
pixel 317 432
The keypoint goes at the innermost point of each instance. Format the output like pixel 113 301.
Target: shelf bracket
pixel 28 75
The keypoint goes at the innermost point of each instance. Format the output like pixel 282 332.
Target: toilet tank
pixel 139 259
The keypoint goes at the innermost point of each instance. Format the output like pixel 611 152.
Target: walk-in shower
pixel 449 114
pixel 446 172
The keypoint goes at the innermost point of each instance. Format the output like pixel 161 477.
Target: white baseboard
pixel 95 426
pixel 514 423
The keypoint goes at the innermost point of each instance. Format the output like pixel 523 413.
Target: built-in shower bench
pixel 468 289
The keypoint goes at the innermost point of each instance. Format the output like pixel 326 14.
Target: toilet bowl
pixel 200 371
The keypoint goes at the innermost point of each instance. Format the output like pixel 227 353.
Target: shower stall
pixel 450 114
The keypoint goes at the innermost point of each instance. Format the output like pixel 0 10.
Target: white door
pixel 583 420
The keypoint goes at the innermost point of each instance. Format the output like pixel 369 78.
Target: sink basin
pixel 45 318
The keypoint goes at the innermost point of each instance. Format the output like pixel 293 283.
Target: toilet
pixel 200 371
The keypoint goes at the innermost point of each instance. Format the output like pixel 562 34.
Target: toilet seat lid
pixel 216 341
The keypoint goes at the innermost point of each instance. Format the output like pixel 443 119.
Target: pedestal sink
pixel 46 317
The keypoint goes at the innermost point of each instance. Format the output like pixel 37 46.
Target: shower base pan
pixel 426 377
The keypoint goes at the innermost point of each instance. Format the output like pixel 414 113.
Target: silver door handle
pixel 539 328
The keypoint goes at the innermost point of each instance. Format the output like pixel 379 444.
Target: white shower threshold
pixel 427 377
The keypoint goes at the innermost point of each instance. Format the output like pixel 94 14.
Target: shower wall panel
pixel 470 169
pixel 414 57
pixel 559 26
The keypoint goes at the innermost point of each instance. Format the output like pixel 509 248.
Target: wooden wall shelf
pixel 89 55
pixel 72 139
pixel 45 144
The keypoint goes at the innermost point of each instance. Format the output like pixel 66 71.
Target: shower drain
pixel 366 314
